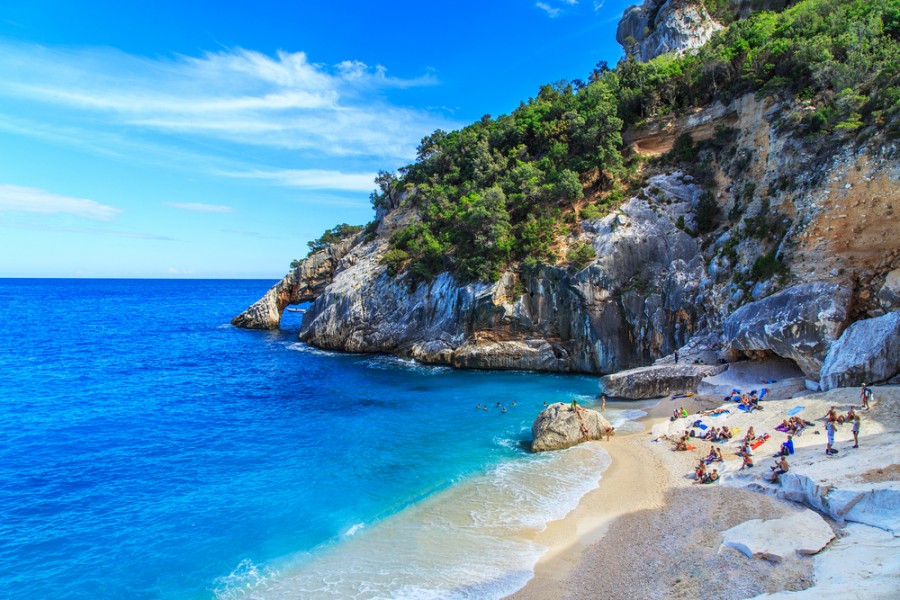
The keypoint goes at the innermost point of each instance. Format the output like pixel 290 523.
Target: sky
pixel 215 139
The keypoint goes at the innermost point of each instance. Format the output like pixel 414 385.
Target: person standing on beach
pixel 829 429
pixel 602 402
pixel 865 395
pixel 855 431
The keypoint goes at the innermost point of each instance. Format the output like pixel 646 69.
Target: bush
pixel 395 260
pixel 705 213
pixel 590 212
pixel 332 236
pixel 581 256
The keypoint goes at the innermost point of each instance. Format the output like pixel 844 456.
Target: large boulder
pixel 775 539
pixel 657 380
pixel 868 351
pixel 559 426
pixel 799 323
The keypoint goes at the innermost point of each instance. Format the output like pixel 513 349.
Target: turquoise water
pixel 151 450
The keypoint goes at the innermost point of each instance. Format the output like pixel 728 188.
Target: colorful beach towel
pixel 783 428
pixel 795 410
pixel 719 414
pixel 759 441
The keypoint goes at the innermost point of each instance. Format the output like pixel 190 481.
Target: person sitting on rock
pixel 781 467
pixel 675 415
pixel 787 447
pixel 745 450
pixel 712 455
pixel 747 462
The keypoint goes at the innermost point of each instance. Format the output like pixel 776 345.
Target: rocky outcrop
pixel 656 381
pixel 803 533
pixel 662 26
pixel 304 283
pixel 868 351
pixel 889 294
pixel 633 304
pixel 560 426
pixel 799 323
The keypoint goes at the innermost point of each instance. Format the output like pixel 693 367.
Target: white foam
pixel 307 349
pixel 354 529
pixel 472 540
pixel 387 362
pixel 243 580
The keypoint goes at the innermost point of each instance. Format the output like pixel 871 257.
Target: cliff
pixel 741 235
pixel 661 26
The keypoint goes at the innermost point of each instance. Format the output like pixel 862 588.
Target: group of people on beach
pixel 792 426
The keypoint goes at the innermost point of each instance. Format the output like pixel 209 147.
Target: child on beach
pixel 855 431
pixel 829 429
pixel 865 394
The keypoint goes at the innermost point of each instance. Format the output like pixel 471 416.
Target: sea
pixel 148 449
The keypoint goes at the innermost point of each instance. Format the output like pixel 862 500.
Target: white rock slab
pixel 804 532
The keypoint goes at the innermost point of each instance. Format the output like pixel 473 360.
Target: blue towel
pixel 763 393
pixel 744 408
pixel 795 410
pixel 702 426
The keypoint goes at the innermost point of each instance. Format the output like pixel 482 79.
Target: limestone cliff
pixel 661 26
pixel 802 243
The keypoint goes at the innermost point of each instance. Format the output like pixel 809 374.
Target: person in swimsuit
pixel 855 431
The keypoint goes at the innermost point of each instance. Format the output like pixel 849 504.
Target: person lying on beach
pixel 748 462
pixel 713 413
pixel 781 467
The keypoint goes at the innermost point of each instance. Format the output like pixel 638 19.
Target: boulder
pixel 868 351
pixel 657 380
pixel 799 323
pixel 775 539
pixel 558 427
pixel 889 294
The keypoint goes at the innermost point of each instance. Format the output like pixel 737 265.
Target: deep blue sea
pixel 148 449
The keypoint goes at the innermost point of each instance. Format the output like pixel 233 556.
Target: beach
pixel 649 532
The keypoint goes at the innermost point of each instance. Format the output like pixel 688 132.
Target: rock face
pixel 633 304
pixel 662 26
pixel 775 539
pixel 303 284
pixel 868 351
pixel 559 426
pixel 657 381
pixel 799 323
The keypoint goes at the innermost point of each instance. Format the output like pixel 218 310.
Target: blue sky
pixel 189 139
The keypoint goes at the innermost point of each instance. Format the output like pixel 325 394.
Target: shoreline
pixel 647 512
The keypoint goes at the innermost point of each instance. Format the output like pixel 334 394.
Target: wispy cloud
pixel 200 207
pixel 312 179
pixel 20 199
pixel 240 96
pixel 555 8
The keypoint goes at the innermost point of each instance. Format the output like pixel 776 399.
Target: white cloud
pixel 551 11
pixel 239 96
pixel 20 199
pixel 200 207
pixel 313 179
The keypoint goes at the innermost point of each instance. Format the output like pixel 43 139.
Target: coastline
pixel 648 514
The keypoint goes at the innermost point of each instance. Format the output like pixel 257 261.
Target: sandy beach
pixel 649 532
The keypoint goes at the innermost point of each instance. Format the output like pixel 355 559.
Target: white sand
pixel 649 532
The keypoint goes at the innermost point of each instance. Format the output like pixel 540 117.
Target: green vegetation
pixel 581 256
pixel 503 191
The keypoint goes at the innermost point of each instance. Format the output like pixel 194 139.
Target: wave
pixel 472 540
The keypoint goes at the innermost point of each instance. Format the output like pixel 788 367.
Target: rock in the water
pixel 775 539
pixel 657 381
pixel 303 284
pixel 868 351
pixel 559 426
pixel 661 26
pixel 799 323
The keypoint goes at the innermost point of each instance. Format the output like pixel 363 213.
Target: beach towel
pixel 689 447
pixel 759 441
pixel 735 430
pixel 702 426
pixel 719 414
pixel 745 408
pixel 795 410
pixel 783 428
pixel 763 393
